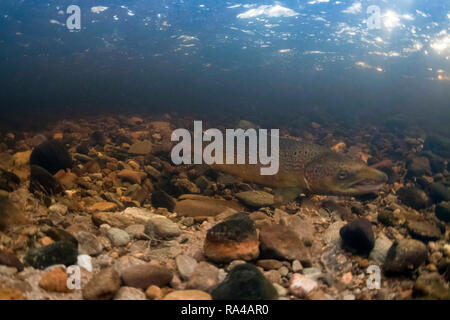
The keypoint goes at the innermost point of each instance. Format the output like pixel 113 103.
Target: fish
pixel 311 169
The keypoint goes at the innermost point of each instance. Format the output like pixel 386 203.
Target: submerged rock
pixel 245 282
pixel 55 280
pixel 423 230
pixel 442 211
pixel 161 227
pixel 9 181
pixel 185 265
pixel 102 286
pixel 301 286
pixel 141 148
pixel 160 199
pixel 198 206
pixel 205 277
pixel 233 239
pixel 41 181
pixel 414 197
pixel 56 253
pixel 380 250
pixel 431 286
pixel 144 275
pixel 52 156
pixel 439 192
pixel 129 293
pixel 256 199
pixel 357 236
pixel 188 295
pixel 438 145
pixel 10 260
pixel 279 241
pixel 405 255
pixel 418 166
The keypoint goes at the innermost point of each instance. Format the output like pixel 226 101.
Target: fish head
pixel 334 174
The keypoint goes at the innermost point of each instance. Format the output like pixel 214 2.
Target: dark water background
pixel 137 56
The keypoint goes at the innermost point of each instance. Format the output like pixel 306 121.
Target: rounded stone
pixel 233 239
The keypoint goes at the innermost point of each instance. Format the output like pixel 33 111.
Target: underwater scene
pixel 224 150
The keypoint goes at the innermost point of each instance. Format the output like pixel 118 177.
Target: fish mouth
pixel 370 180
pixel 367 186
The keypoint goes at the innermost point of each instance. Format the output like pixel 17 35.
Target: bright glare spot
pixel 268 11
pixel 441 44
pixel 391 20
pixel 98 9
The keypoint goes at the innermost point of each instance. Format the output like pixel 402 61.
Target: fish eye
pixel 343 174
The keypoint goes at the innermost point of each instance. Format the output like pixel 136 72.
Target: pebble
pixel 255 199
pixel 153 292
pixel 123 219
pixel 102 286
pixel 424 231
pixel 10 294
pixel 274 276
pixel 58 208
pixel 380 250
pixel 442 211
pixel 269 264
pixel 88 243
pixel 205 277
pixel 129 293
pixel 130 176
pixel 393 218
pixel 136 231
pixel 141 148
pixel 278 241
pixel 332 235
pixel 118 237
pixel 245 282
pixel 414 197
pixel 85 262
pixel 296 266
pixel 357 236
pixel 282 291
pixel 10 260
pixel 202 206
pixel 431 286
pixel 405 255
pixel 439 192
pixel 313 273
pixel 55 281
pixel 160 227
pixel 102 206
pixel 41 181
pixel 188 295
pixel 186 266
pixel 52 156
pixel 60 252
pixel 126 261
pixel 301 286
pixel 144 275
pixel 233 239
pixel 418 166
pixel 160 199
